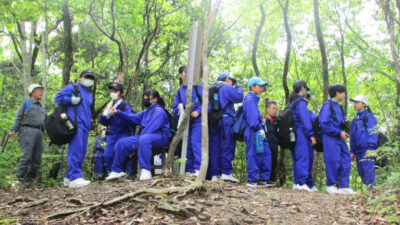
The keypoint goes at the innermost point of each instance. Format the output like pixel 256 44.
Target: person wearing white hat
pixel 29 124
pixel 363 139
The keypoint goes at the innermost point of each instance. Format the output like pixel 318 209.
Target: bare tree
pixel 67 43
pixel 255 43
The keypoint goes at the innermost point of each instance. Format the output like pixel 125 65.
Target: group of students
pixel 259 135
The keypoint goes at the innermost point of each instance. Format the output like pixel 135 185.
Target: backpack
pixel 56 126
pixel 216 112
pixel 286 125
pixel 25 112
pixel 239 125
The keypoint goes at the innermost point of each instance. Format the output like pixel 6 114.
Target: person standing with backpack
pixel 303 151
pixel 336 153
pixel 155 133
pixel 258 155
pixel 29 123
pixel 118 127
pixel 81 105
pixel 222 142
pixel 194 140
pixel 363 139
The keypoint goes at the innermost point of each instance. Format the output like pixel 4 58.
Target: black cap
pixel 299 84
pixel 88 73
pixel 117 86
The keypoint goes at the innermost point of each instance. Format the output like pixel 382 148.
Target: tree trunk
pixel 255 43
pixel 43 50
pixel 281 164
pixel 204 108
pixel 26 49
pixel 67 43
pixel 321 43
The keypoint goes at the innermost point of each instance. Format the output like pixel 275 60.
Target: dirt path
pixel 219 203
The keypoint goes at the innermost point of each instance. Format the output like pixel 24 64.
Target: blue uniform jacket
pixel 271 133
pixel 195 100
pixel 229 95
pixel 117 124
pixel 83 108
pixel 361 138
pixel 153 120
pixel 312 116
pixel 252 113
pixel 330 125
pixel 302 118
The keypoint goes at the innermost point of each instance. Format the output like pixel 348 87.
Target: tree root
pixel 145 191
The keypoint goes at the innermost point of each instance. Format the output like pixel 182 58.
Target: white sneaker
pixel 303 187
pixel 295 187
pixel 145 174
pixel 251 184
pixel 229 178
pixel 346 191
pixel 188 174
pixel 332 190
pixel 115 175
pixel 215 178
pixel 196 173
pixel 78 183
pixel 314 189
pixel 66 182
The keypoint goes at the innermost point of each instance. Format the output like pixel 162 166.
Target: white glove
pixel 262 133
pixel 75 100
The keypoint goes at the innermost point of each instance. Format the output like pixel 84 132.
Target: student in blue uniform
pixel 118 126
pixel 336 153
pixel 78 146
pixel 303 150
pixel 363 139
pixel 258 164
pixel 222 142
pixel 155 134
pixel 194 141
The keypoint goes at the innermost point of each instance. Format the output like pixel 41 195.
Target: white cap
pixel 360 98
pixel 33 87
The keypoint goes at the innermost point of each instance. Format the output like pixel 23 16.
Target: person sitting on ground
pixel 155 134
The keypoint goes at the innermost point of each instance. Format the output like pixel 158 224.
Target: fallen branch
pixel 186 189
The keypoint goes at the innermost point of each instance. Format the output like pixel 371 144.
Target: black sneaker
pixel 270 183
pixel 262 183
pixel 251 184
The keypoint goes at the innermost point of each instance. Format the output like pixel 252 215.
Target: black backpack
pixel 56 127
pixel 216 111
pixel 286 125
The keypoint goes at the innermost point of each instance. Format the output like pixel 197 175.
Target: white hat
pixel 360 98
pixel 32 87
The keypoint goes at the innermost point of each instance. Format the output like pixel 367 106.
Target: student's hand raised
pixel 12 134
pixel 113 111
pixel 344 135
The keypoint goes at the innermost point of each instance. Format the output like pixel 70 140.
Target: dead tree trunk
pixel 67 43
pixel 325 75
pixel 255 43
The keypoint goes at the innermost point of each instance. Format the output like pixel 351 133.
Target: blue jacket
pixel 312 116
pixel 302 117
pixel 195 100
pixel 83 108
pixel 117 124
pixel 252 112
pixel 328 123
pixel 229 95
pixel 153 120
pixel 361 138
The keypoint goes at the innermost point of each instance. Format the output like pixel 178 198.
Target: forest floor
pixel 217 203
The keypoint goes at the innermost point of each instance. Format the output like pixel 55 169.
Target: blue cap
pixel 223 76
pixel 258 81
